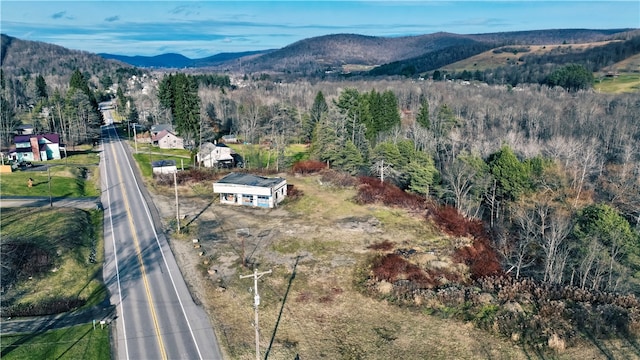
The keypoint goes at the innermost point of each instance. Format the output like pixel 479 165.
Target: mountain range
pixel 334 52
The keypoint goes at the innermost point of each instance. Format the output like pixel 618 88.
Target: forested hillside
pixel 55 89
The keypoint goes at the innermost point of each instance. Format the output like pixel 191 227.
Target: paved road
pixel 156 316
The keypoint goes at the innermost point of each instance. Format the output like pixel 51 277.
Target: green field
pixel 68 244
pixel 623 83
pixel 77 342
pixel 77 175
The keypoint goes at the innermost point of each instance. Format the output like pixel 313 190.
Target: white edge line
pixel 115 251
pixel 155 234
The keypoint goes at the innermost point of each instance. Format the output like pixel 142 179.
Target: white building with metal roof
pixel 250 190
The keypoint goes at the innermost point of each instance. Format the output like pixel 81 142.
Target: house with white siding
pixel 164 167
pixel 36 147
pixel 216 155
pixel 251 190
pixel 165 139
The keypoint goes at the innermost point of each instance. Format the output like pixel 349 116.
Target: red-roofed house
pixel 167 140
pixel 36 147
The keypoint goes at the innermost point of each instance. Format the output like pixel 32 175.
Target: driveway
pixel 42 201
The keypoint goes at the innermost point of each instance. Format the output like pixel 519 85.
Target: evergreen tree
pixel 325 145
pixel 355 108
pixel 41 87
pixel 166 92
pixel 423 114
pixel 318 110
pixel 121 100
pixel 511 175
pixel 390 113
pixel 349 159
pixel 179 94
pixel 572 77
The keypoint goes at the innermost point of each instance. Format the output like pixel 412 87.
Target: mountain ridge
pixel 326 52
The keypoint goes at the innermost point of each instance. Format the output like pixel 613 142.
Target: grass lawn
pixel 146 156
pixel 77 342
pixel 64 241
pixel 262 157
pixel 629 82
pixel 77 175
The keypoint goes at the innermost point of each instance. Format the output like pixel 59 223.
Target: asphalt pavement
pixel 43 201
pixel 37 324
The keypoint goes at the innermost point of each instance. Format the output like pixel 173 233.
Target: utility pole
pixel 175 186
pixel 256 301
pixel 49 176
pixel 135 139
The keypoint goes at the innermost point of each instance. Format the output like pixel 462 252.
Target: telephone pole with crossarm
pixel 256 301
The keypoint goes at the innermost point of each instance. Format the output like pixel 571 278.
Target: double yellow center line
pixel 139 253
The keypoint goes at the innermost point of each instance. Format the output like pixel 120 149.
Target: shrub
pixel 372 190
pixel 308 167
pixel 481 258
pixel 54 306
pixel 385 245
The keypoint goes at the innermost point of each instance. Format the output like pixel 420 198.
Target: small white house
pixel 164 167
pixel 250 190
pixel 167 140
pixel 229 139
pixel 215 155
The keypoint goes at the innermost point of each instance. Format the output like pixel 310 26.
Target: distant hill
pixel 319 55
pixel 163 61
pixel 178 61
pixel 56 63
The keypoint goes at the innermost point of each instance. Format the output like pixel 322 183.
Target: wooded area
pixel 532 162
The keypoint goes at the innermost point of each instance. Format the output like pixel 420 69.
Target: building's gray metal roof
pixel 249 180
pixel 163 163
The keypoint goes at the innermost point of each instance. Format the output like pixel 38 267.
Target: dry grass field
pixel 310 304
pixel 490 59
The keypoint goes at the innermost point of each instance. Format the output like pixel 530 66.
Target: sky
pixel 198 29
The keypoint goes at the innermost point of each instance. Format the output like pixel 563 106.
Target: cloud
pixel 112 18
pixel 186 10
pixel 60 15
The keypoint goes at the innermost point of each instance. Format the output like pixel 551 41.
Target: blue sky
pixel 202 28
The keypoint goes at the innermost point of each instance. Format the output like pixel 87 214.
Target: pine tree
pixel 423 114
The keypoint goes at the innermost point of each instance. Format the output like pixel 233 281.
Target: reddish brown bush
pixel 385 245
pixel 393 267
pixel 481 258
pixel 308 166
pixel 372 190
